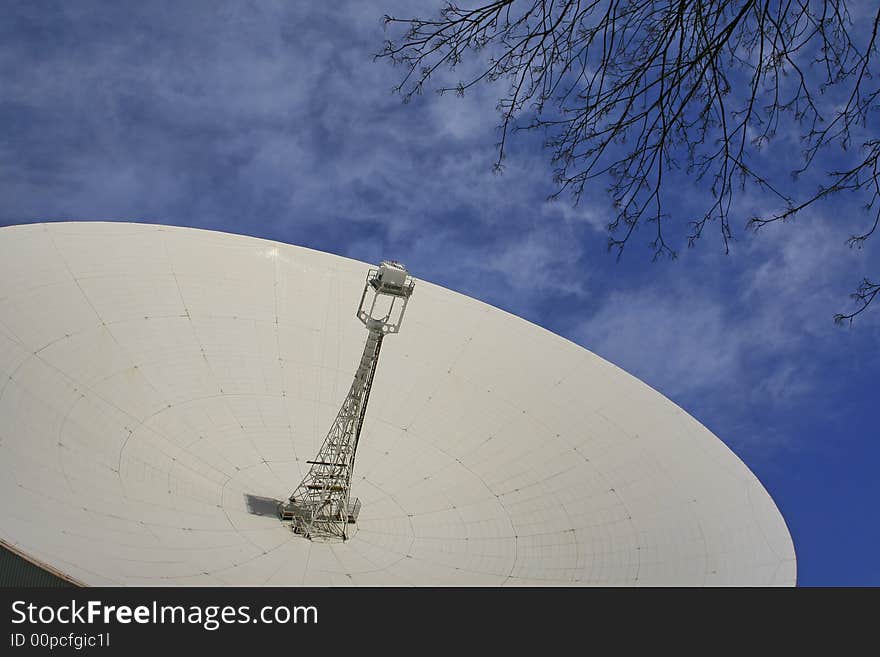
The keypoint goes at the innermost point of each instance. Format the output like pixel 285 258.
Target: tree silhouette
pixel 633 90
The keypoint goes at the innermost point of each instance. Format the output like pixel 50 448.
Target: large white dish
pixel 152 377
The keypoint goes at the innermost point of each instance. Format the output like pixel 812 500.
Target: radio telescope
pixel 163 391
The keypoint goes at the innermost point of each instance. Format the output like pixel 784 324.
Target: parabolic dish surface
pixel 155 379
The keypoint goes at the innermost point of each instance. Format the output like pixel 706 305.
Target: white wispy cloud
pixel 754 332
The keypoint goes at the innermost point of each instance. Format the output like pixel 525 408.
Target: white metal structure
pixel 161 388
pixel 320 507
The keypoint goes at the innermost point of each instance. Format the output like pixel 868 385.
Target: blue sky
pixel 274 120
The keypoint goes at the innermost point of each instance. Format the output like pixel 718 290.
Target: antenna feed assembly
pixel 385 296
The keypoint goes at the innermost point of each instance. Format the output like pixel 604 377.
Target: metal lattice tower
pixel 321 506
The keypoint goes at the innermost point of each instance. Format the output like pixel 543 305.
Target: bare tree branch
pixel 631 91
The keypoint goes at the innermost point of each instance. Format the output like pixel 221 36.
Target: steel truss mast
pixel 322 506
